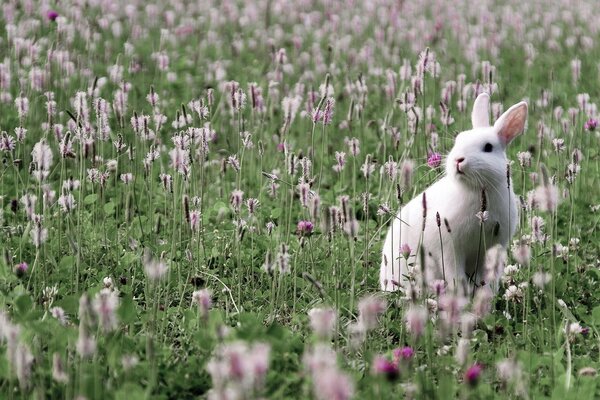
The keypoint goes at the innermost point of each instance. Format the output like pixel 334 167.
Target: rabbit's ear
pixel 512 123
pixel 480 117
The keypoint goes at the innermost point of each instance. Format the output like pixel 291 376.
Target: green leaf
pixel 90 199
pixel 127 311
pixel 109 208
pixel 276 213
pixel 24 304
pixel 130 391
pixel 69 303
pixel 66 263
pixel 596 316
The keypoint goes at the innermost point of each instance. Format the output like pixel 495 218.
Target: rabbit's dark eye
pixel 488 148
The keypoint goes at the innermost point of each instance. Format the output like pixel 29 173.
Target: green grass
pixel 112 226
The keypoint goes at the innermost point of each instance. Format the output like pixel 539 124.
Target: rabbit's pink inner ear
pixel 512 123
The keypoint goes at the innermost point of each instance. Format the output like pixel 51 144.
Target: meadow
pixel 194 197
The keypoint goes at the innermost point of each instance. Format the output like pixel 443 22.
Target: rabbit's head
pixel 478 157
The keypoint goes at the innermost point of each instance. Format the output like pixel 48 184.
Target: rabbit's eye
pixel 488 148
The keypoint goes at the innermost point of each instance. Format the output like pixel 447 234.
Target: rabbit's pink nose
pixel 458 162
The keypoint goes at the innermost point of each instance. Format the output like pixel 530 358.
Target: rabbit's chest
pixel 471 226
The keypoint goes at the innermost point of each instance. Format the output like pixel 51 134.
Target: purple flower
pixel 585 331
pixel 590 125
pixel 473 373
pixel 403 353
pixel 434 160
pixel 383 366
pixel 304 228
pixel 51 15
pixel 405 250
pixel 21 268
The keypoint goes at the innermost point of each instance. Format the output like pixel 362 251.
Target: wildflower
pixel 290 106
pixel 513 293
pixel 546 197
pixel 238 368
pixel 51 15
pixel 524 158
pixel 20 134
pixel 86 344
pixel 369 310
pixel 152 97
pixel 126 178
pixel 23 361
pixel 353 146
pixel 58 369
pixel 590 125
pixel 48 295
pixel 351 228
pixel 438 287
pixel 252 204
pixel 38 234
pixel 559 145
pixel 574 243
pixel 108 283
pixel 21 269
pixel 522 253
pixel 155 269
pixel 333 384
pixel 405 250
pixel 482 216
pixel 195 217
pixel 451 306
pixel 236 199
pixel 482 303
pixel 541 279
pixel 167 182
pixel 406 171
pixel 322 322
pixel 203 299
pixel 315 204
pixel 7 142
pixel 327 115
pixel 304 228
pixel 233 161
pixel 383 209
pixel 270 226
pixel 283 259
pixel 434 160
pixel 129 361
pixel 383 366
pixel 67 202
pixel 22 105
pixel 340 158
pixel 60 315
pixel 462 351
pixel 105 305
pixel 42 158
pixel 304 190
pixel 404 353
pixel 473 374
pixel 391 169
pixel 415 319
pixel 368 167
pixel 180 160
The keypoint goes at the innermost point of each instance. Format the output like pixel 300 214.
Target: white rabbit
pixel 477 163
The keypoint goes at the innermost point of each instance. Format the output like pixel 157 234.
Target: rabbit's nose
pixel 459 160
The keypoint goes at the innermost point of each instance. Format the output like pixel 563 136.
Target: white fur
pixel 457 198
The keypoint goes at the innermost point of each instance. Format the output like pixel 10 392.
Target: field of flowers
pixel 194 197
